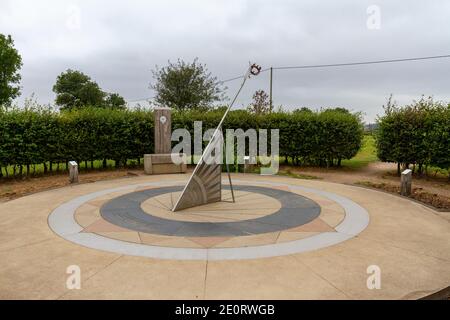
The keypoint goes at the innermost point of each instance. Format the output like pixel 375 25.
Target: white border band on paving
pixel 62 222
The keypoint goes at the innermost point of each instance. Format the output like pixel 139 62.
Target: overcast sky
pixel 118 43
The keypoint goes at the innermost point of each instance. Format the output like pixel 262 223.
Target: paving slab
pixel 410 244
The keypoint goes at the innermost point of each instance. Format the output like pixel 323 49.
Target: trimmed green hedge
pixel 36 136
pixel 417 134
pixel 42 136
pixel 317 138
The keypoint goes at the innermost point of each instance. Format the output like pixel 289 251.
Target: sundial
pixel 205 184
pixel 268 219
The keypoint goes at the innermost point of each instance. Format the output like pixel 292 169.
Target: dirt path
pixel 11 189
pixel 376 172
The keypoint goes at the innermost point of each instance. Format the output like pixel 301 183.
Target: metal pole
pixel 228 168
pixel 229 180
pixel 270 90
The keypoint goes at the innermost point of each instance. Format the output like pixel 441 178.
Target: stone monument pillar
pixel 161 161
pixel 163 130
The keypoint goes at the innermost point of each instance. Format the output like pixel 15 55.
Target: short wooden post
pixel 73 171
pixel 405 182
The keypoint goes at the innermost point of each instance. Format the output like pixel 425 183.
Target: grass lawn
pixel 366 155
pixel 38 169
pixel 288 173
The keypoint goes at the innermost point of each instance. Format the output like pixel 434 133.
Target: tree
pixel 74 89
pixel 115 101
pixel 184 86
pixel 337 109
pixel 415 134
pixel 302 109
pixel 10 64
pixel 261 103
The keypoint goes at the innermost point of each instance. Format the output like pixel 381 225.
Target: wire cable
pixel 346 64
pixel 360 63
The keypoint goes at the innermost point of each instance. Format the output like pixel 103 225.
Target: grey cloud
pixel 118 43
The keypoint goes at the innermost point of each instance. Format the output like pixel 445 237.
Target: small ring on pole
pixel 255 69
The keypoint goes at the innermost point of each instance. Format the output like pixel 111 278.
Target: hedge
pixel 416 134
pixel 43 136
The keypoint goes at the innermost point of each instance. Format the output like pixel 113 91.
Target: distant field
pixel 366 155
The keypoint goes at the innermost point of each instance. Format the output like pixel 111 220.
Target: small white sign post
pixel 73 171
pixel 249 163
pixel 405 182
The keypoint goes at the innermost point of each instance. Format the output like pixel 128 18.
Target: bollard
pixel 246 163
pixel 249 164
pixel 73 172
pixel 405 183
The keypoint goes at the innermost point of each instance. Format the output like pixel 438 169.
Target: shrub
pixel 417 134
pixel 43 136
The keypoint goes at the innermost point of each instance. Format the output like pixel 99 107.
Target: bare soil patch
pixel 433 199
pixel 15 188
pixel 433 191
pixel 376 172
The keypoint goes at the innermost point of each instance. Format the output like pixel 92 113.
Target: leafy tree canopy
pixel 183 86
pixel 338 109
pixel 115 101
pixel 260 103
pixel 418 133
pixel 74 89
pixel 303 109
pixel 10 64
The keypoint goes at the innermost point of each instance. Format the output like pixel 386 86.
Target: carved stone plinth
pixel 162 163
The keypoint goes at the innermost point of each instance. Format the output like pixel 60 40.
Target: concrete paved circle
pixel 407 241
pixel 125 211
pixel 62 222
